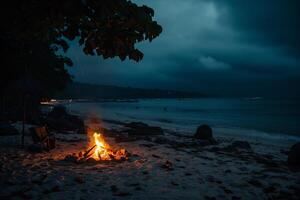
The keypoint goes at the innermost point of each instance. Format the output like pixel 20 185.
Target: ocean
pixel 254 117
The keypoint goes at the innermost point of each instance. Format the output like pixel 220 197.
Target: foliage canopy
pixel 33 31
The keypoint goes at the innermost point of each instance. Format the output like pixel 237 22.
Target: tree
pixel 33 31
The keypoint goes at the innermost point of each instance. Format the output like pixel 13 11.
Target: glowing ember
pixel 100 150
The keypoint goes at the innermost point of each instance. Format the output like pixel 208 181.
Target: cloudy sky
pixel 220 47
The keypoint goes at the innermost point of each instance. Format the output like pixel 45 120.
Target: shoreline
pixel 186 115
pixel 231 133
pixel 169 166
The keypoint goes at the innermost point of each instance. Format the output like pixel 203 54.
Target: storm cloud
pixel 229 47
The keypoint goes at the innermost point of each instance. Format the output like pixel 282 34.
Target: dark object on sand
pixel 60 120
pixel 204 132
pixel 41 137
pixel 7 129
pixel 294 155
pixel 241 145
pixel 139 128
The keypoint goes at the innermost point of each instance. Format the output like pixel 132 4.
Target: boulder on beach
pixel 205 133
pixel 294 155
pixel 60 120
pixel 140 128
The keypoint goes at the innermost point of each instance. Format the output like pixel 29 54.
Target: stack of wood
pixel 87 156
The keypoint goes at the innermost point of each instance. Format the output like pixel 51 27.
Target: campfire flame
pixel 101 150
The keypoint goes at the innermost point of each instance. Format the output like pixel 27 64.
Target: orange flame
pixel 103 151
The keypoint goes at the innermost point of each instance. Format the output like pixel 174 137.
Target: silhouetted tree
pixel 33 32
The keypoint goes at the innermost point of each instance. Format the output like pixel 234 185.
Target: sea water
pixel 237 116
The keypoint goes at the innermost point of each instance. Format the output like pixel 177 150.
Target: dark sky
pixel 222 47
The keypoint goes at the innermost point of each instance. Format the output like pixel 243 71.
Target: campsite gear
pixel 40 135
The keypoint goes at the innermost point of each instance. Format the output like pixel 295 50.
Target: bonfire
pixel 99 150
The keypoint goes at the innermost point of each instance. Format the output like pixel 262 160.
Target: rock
pixel 241 145
pixel 139 128
pixel 294 155
pixel 60 120
pixel 204 132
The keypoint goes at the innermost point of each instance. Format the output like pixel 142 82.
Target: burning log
pixel 100 151
pixel 85 155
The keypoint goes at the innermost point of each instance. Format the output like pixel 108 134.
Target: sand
pixel 171 166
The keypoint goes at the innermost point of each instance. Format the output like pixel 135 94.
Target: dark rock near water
pixel 204 132
pixel 139 128
pixel 60 120
pixel 294 155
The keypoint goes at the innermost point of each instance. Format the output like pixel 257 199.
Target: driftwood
pixel 85 155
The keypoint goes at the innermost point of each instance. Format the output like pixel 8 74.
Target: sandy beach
pixel 169 166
